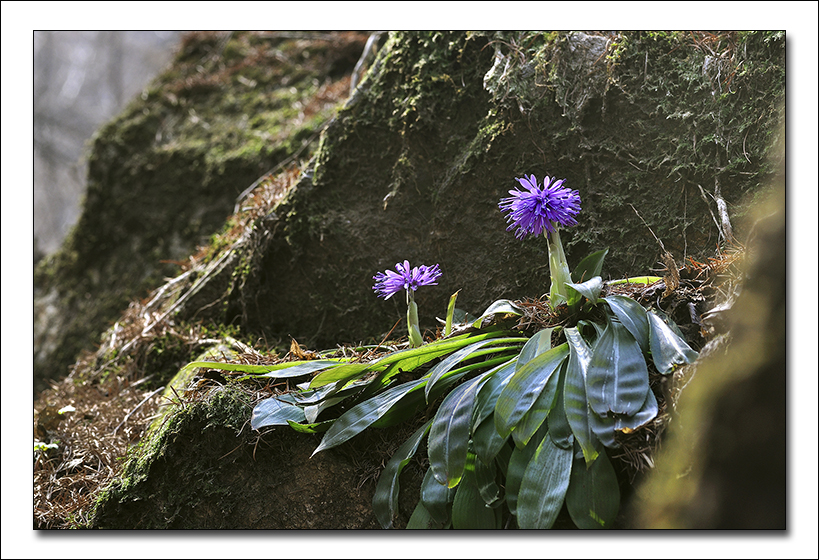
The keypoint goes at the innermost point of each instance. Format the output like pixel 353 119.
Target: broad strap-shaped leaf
pixel 421 519
pixel 617 375
pixel 283 370
pixel 575 404
pixel 593 497
pixel 342 373
pixel 331 398
pixel 413 401
pixel 486 440
pixel 590 289
pixel 488 394
pixel 525 387
pixel 545 403
pixel 667 349
pixel 633 316
pixel 437 498
pixel 590 266
pixel 647 413
pixel 544 486
pixel 584 324
pixel 559 429
pixel 485 480
pixel 449 434
pixel 540 342
pixel 469 510
pixel 355 420
pixel 516 468
pixel 440 369
pixel 385 499
pixel 408 359
pixel 273 412
pixel 502 306
pixel 603 428
pixel 502 459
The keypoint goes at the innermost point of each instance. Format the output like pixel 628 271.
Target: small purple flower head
pixel 534 210
pixel 389 283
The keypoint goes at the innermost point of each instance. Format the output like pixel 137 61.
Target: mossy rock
pixel 201 467
pixel 415 163
pixel 165 174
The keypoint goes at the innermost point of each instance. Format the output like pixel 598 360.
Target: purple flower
pixel 389 283
pixel 534 210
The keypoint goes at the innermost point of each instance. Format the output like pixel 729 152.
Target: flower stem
pixel 415 338
pixel 558 268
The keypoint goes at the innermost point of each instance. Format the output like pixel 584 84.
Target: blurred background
pixel 81 79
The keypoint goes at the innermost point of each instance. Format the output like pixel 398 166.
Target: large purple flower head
pixel 534 210
pixel 389 283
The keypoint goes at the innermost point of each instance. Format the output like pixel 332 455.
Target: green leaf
pixel 311 428
pixel 544 486
pixel 617 375
pixel 437 498
pixel 559 429
pixel 358 418
pixel 525 387
pixel 421 519
pixel 593 497
pixel 667 349
pixel 415 338
pixel 273 412
pixel 502 306
pixel 502 459
pixel 416 399
pixel 440 369
pixel 603 428
pixel 590 267
pixel 385 499
pixel 449 435
pixel 646 280
pixel 487 441
pixel 342 373
pixel 545 403
pixel 575 403
pixel 485 475
pixel 646 414
pixel 540 342
pixel 408 359
pixel 590 289
pixel 469 511
pixel 633 317
pixel 450 313
pixel 286 369
pixel 488 394
pixel 584 324
pixel 518 463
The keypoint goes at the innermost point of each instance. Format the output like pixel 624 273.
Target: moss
pixel 225 409
pixel 165 173
pixel 200 467
pixel 413 166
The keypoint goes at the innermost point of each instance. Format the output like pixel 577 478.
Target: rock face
pixel 240 481
pixel 164 176
pixel 411 167
pixel 415 163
